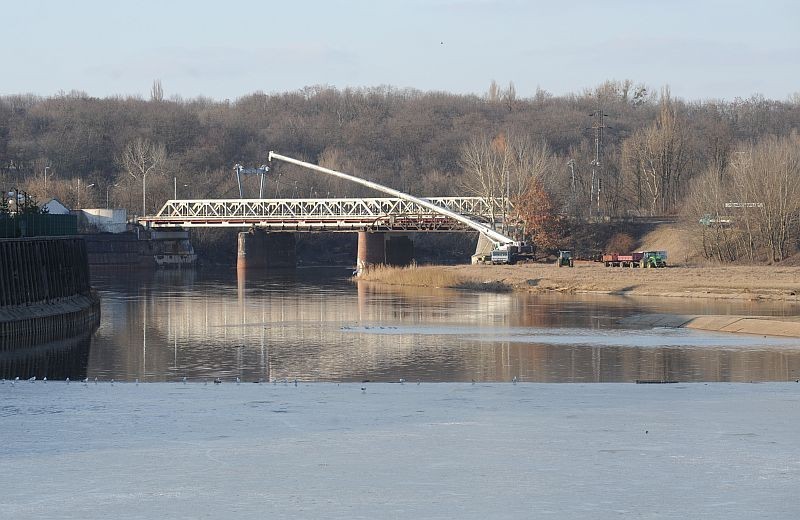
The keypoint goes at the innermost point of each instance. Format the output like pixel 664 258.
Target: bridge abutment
pixel 383 249
pixel 482 249
pixel 260 250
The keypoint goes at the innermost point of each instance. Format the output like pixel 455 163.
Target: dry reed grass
pixel 430 276
pixel 419 276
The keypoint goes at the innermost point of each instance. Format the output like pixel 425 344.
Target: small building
pixel 104 220
pixel 55 207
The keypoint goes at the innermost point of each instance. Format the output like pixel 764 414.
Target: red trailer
pixel 627 260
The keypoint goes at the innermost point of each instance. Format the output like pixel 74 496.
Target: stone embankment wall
pixel 761 325
pixel 45 293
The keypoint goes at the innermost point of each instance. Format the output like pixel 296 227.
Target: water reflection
pixel 53 359
pixel 317 325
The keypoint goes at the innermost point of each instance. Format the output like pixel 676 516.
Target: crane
pixel 499 240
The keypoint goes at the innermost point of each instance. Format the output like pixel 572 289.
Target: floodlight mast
pixel 498 239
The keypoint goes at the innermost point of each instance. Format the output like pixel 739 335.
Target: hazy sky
pixel 717 49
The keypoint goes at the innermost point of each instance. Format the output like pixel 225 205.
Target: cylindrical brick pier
pixel 371 250
pixel 383 249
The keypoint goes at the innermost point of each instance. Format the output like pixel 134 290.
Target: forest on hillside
pixel 656 154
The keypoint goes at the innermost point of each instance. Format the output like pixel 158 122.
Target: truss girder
pixel 352 214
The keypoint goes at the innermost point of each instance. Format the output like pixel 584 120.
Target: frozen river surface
pixel 447 450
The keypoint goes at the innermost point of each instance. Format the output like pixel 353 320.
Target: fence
pixel 37 225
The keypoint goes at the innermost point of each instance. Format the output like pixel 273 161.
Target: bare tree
pixel 495 93
pixel 504 167
pixel 510 96
pixel 751 207
pixel 765 178
pixel 485 167
pixel 656 158
pixel 705 205
pixel 141 158
pixel 157 91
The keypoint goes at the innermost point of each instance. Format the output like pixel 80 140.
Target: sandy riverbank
pixel 739 282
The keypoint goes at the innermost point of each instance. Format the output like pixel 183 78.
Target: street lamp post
pixel 107 190
pixel 79 191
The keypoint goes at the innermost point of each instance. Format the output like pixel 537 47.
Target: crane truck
pixel 504 247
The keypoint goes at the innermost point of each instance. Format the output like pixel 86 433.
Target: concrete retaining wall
pixel 762 325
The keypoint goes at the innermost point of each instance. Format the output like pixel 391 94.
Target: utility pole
pixel 571 164
pixel 597 125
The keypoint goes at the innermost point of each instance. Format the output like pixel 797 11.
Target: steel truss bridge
pixel 329 214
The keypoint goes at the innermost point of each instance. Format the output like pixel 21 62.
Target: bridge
pixel 378 221
pixel 329 214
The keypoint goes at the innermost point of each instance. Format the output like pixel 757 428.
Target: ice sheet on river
pixel 656 337
pixel 719 451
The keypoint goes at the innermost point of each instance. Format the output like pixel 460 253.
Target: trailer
pixel 626 260
pixel 644 259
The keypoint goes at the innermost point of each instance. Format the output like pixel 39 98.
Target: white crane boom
pixel 497 238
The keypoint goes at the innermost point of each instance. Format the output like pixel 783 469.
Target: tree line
pixel 657 154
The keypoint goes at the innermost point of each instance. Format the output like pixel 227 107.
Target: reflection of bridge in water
pixel 309 325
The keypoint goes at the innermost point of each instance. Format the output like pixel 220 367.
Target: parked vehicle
pixel 504 255
pixel 651 259
pixel 654 259
pixel 565 259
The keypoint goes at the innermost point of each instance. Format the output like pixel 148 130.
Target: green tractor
pixel 654 259
pixel 565 259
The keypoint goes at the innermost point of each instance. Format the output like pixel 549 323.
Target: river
pixel 317 325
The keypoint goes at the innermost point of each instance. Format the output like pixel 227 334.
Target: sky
pixel 701 49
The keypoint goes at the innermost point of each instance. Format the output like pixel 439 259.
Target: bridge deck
pixel 352 214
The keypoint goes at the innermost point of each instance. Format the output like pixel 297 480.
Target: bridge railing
pixel 478 207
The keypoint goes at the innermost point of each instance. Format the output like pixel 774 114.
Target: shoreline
pixel 748 283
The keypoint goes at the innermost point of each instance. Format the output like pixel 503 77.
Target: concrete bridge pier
pixel 261 250
pixel 484 247
pixel 383 249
